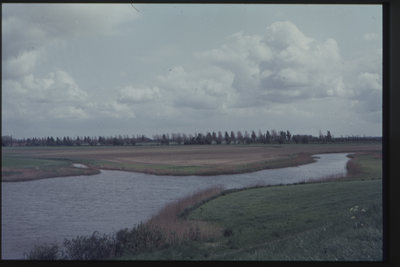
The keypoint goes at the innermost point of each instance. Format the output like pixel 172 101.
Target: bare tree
pixel 233 138
pixel 274 135
pixel 253 136
pixel 184 137
pixel 246 137
pixel 219 138
pixel 227 138
pixel 209 138
pixel 240 137
pixel 261 137
pixel 288 136
pixel 268 137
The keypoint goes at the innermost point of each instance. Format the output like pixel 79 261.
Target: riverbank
pixel 166 160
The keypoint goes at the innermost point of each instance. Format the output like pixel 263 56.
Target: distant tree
pixel 78 141
pixel 274 135
pixel 58 142
pixel 133 140
pixel 296 138
pixel 329 136
pixel 233 138
pixel 184 137
pixel 288 136
pixel 321 136
pixel 219 138
pixel 69 142
pixel 115 141
pixel 253 136
pixel 127 140
pixel 214 137
pixel 199 139
pixel 304 139
pixel 268 137
pixel 261 137
pixel 120 140
pixel 93 141
pixel 179 138
pixel 6 140
pixel 157 138
pixel 240 137
pixel 282 137
pixel 165 140
pixel 209 138
pixel 227 138
pixel 246 137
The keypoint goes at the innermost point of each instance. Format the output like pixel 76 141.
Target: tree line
pixel 211 138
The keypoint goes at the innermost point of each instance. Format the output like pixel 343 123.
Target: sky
pixel 121 69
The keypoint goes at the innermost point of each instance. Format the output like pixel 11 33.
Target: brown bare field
pixel 195 155
pixel 194 160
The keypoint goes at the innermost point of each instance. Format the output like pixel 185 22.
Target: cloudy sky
pixel 90 70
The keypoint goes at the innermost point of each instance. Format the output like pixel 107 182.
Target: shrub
pixel 94 247
pixel 139 239
pixel 228 232
pixel 43 252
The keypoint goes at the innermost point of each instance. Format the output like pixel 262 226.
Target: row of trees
pixel 216 138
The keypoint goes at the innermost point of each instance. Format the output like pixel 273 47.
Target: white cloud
pixel 205 89
pixel 28 29
pixel 129 94
pixel 115 110
pixel 23 64
pixel 371 36
pixel 369 81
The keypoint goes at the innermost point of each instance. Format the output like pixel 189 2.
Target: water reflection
pixel 50 210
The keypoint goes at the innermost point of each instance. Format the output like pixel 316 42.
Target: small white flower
pixel 356 207
pixel 363 210
pixel 351 209
pixel 353 217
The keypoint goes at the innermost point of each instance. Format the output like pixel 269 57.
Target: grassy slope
pixel 296 222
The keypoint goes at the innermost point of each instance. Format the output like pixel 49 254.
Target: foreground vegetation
pixel 313 220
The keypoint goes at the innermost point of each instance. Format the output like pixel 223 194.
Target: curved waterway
pixel 50 210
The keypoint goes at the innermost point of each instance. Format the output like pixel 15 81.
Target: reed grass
pixel 177 229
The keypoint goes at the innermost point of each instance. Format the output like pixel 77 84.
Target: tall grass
pixel 176 228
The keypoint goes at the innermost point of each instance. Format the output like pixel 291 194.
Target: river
pixel 50 210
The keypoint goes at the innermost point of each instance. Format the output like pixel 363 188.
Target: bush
pixel 43 252
pixel 228 232
pixel 89 248
pixel 138 239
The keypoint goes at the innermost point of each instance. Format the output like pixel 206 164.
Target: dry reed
pixel 177 229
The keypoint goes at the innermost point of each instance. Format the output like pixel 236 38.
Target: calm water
pixel 50 210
